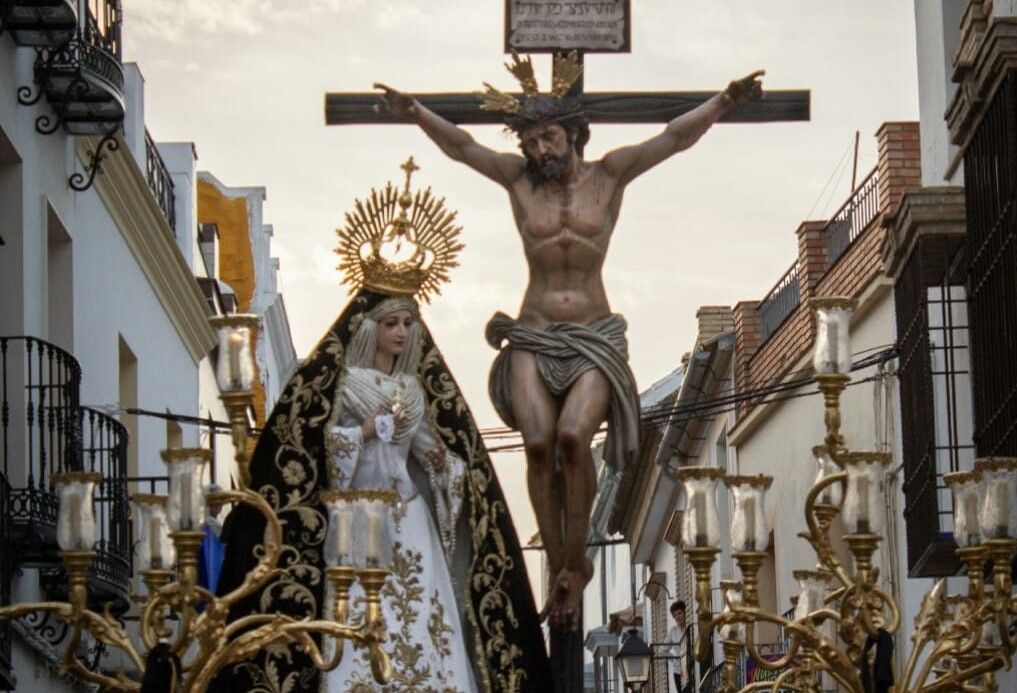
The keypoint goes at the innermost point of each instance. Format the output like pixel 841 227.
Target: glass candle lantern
pixel 377 536
pixel 834 493
pixel 76 518
pixel 967 529
pixel 338 547
pixel 998 517
pixel 186 505
pixel 749 529
pixel 732 595
pixel 812 585
pixel 863 501
pixel 833 324
pixel 700 526
pixel 155 550
pixel 235 367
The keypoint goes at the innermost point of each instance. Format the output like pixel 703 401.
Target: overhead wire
pixel 771 392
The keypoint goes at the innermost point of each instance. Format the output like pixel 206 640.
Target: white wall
pixel 938 35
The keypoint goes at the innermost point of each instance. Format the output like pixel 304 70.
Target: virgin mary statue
pixel 375 407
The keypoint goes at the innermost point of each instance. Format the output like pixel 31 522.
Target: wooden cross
pixel 600 107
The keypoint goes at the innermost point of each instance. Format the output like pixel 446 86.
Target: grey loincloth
pixel 564 351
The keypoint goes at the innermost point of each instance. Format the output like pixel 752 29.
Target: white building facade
pixel 105 340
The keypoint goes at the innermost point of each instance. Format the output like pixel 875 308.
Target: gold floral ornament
pixel 399 242
pixel 566 69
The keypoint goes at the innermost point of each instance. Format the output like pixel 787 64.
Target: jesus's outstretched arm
pixel 503 168
pixel 626 163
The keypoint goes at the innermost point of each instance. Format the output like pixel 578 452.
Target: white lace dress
pixel 425 639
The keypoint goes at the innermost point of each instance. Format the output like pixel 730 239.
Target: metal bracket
pixel 78 181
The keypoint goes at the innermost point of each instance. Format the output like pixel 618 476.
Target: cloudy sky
pixel 245 81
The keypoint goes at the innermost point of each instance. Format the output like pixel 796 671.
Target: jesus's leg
pixel 536 412
pixel 584 410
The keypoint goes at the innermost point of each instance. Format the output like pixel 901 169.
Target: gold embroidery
pixel 293 473
pixel 438 629
pixel 344 446
pixel 402 591
pixel 488 569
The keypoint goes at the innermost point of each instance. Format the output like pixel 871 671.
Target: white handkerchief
pixel 384 426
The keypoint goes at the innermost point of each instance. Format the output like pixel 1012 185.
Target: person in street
pixel 680 664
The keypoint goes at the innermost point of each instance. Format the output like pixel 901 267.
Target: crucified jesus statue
pixel 563 368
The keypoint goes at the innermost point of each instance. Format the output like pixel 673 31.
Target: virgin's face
pixel 393 333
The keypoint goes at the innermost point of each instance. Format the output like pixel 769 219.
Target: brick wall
pixel 900 165
pixel 757 365
pixel 713 320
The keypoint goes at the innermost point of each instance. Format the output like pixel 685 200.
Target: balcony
pixel 159 181
pixel 39 23
pixel 82 77
pixel 853 217
pixel 780 302
pixel 44 430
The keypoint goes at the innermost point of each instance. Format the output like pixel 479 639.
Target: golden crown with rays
pixel 398 242
pixel 566 69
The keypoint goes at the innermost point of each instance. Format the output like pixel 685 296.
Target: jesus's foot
pixel 553 589
pixel 563 605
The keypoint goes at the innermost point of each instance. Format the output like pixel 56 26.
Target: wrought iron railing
pixel 780 302
pixel 44 430
pixel 853 217
pixel 148 484
pixel 103 21
pixel 159 181
pixel 104 450
pixel 40 432
pixel 990 185
pixel 712 680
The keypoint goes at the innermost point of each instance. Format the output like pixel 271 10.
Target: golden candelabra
pixel 203 638
pixel 959 641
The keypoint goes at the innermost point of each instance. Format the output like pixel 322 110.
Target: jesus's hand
pixel 745 89
pixel 394 102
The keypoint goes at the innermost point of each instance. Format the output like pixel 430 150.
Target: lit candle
pixel 750 524
pixel 862 503
pixel 749 531
pixel 699 527
pixel 75 519
pixel 862 484
pixel 699 502
pixel 186 483
pixel 834 493
pixel 344 530
pixel 966 526
pixel 186 468
pixel 999 504
pixel 373 549
pixel 833 320
pixel 813 592
pixel 155 541
pixel 75 513
pixel 236 344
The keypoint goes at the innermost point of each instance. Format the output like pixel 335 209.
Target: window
pixel 990 173
pixel 935 397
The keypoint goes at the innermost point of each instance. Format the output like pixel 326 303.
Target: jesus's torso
pixel 566 230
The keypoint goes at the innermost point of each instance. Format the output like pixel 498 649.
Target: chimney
pixel 713 320
pixel 900 165
pixel 812 257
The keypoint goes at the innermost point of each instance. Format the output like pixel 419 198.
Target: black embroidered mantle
pixel 289 468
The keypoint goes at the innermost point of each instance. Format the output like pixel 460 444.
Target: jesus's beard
pixel 551 168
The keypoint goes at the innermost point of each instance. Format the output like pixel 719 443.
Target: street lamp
pixel 634 658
